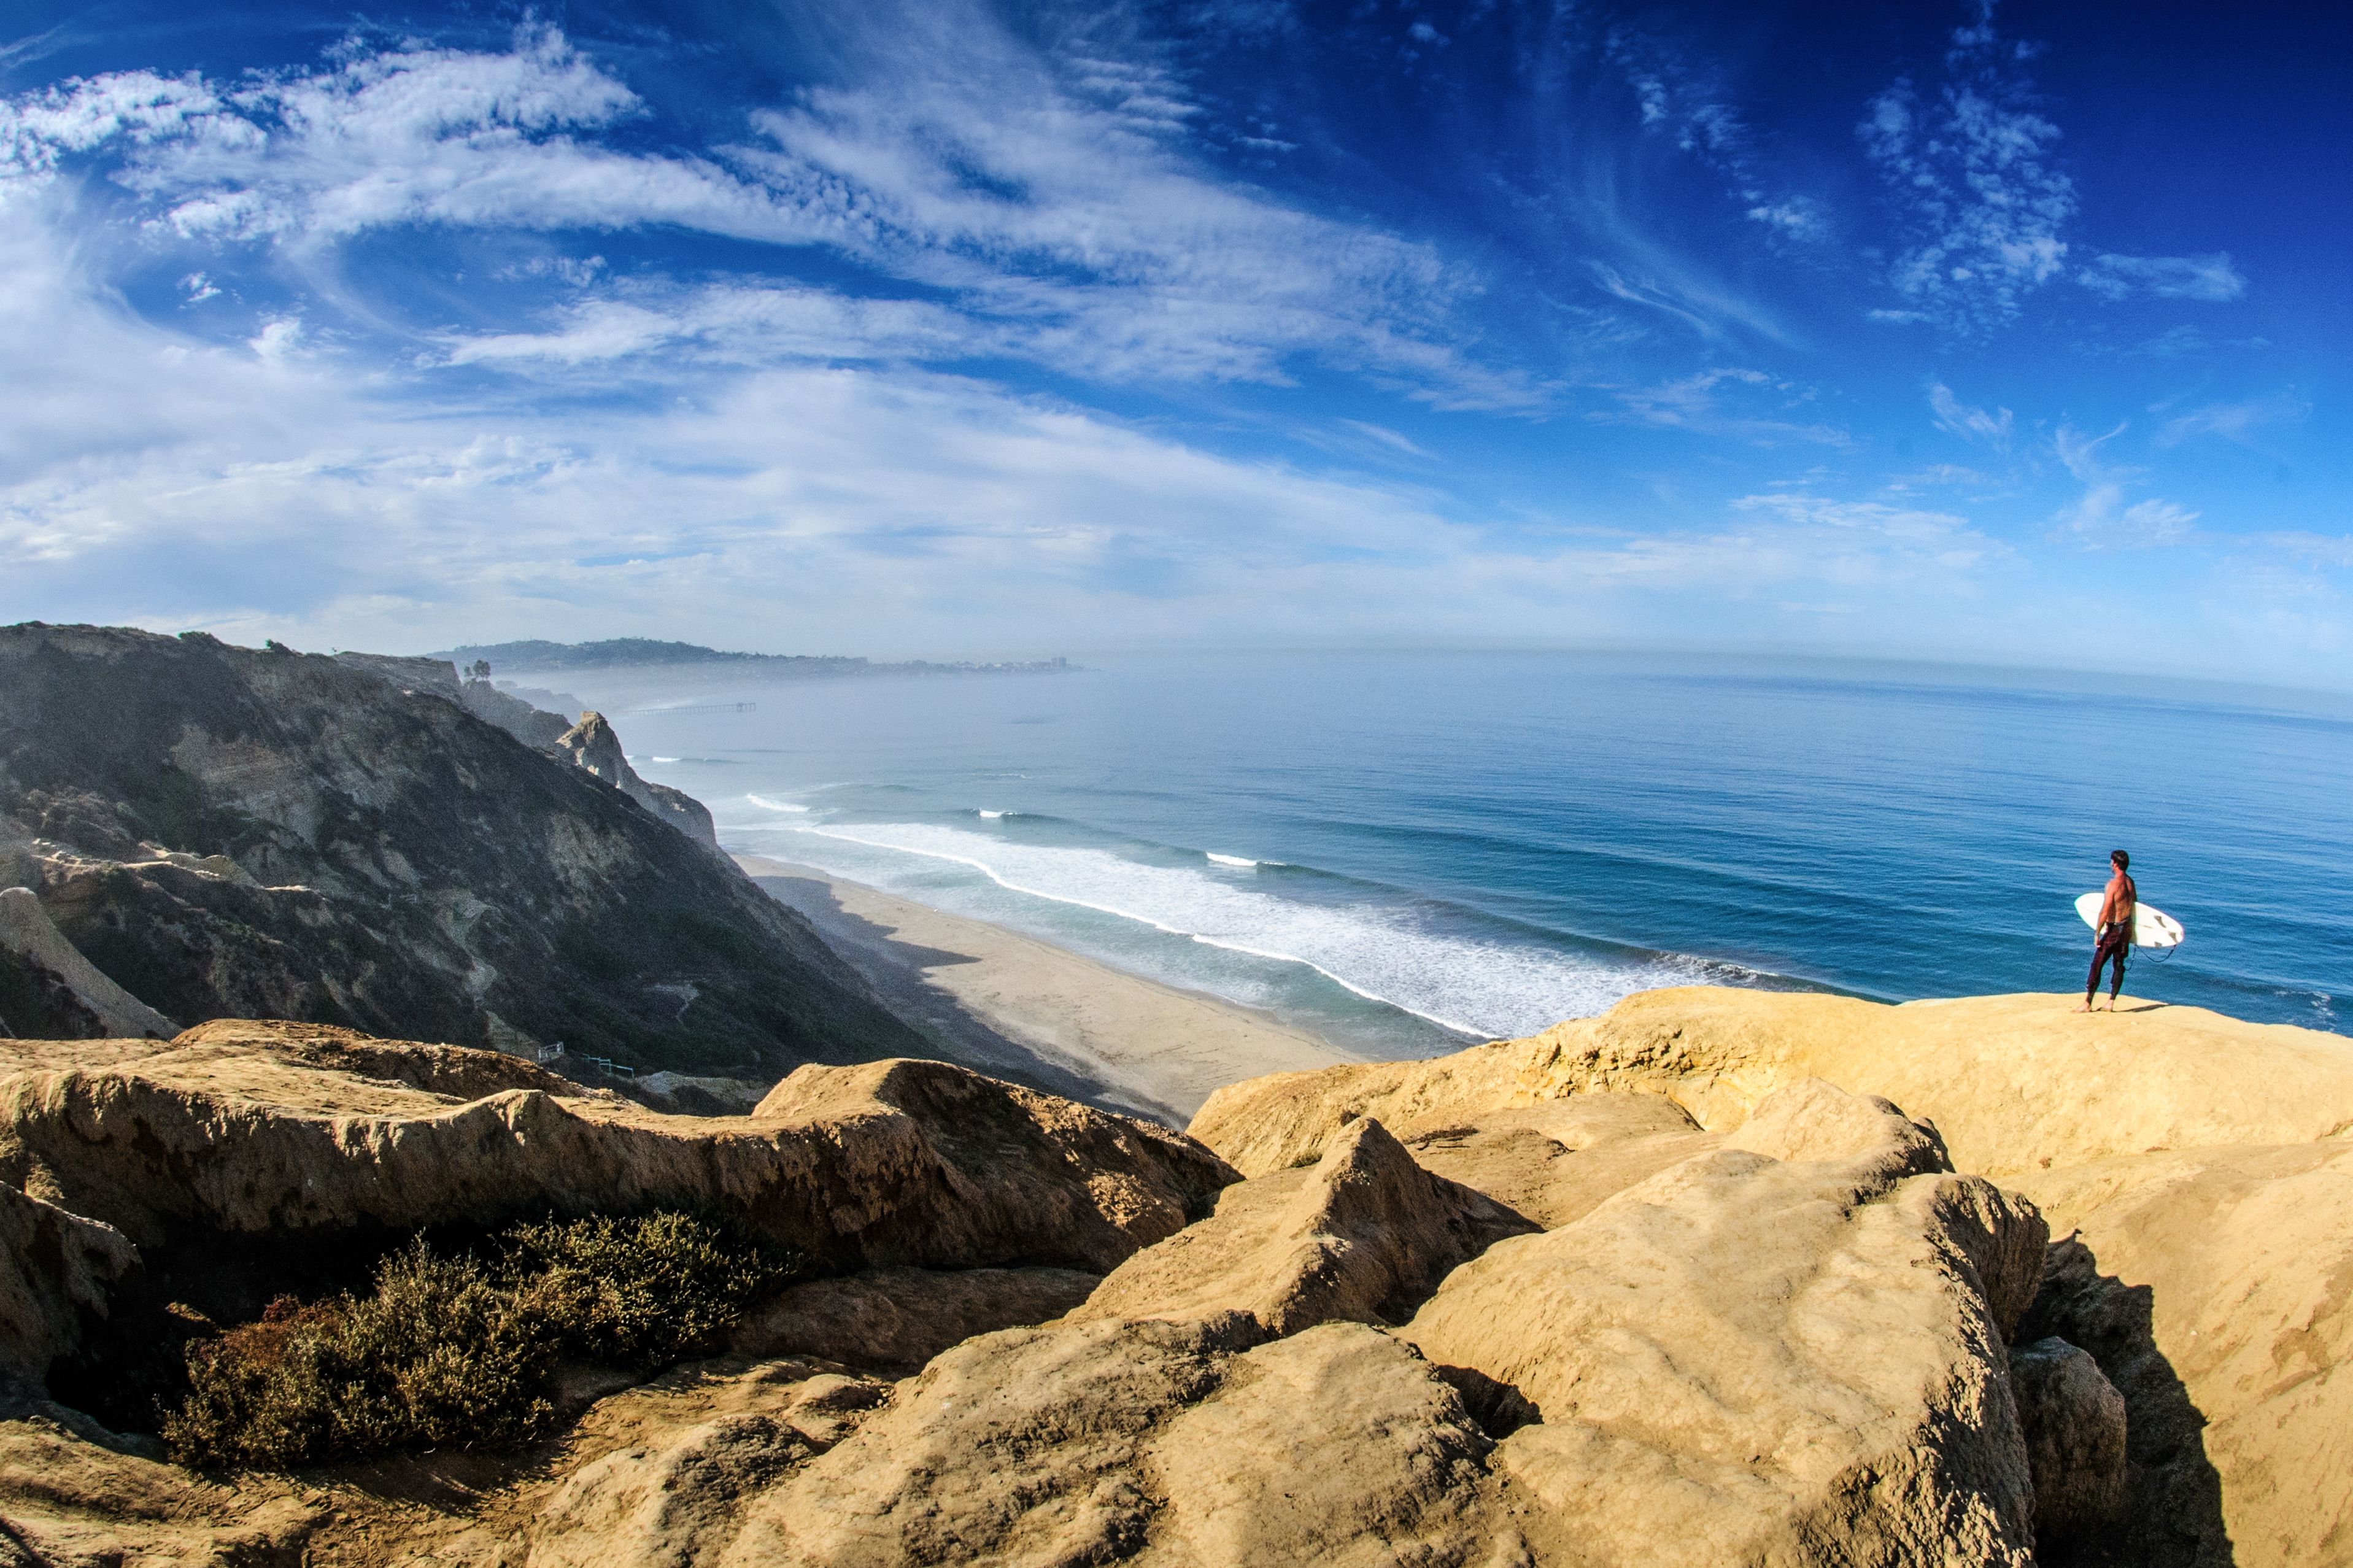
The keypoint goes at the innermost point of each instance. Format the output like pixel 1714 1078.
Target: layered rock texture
pixel 218 832
pixel 1693 1283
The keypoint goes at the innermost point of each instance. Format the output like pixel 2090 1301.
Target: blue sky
pixel 944 328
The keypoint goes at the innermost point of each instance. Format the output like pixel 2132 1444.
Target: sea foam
pixel 1397 952
pixel 765 804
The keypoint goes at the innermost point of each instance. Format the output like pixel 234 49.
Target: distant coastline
pixel 629 653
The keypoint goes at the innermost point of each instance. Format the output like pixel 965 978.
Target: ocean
pixel 1402 852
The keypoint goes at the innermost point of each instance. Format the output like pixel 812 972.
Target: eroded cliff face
pixel 227 833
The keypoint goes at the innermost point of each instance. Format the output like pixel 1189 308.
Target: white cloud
pixel 1957 418
pixel 1710 401
pixel 1677 97
pixel 739 324
pixel 2208 278
pixel 2233 422
pixel 1974 174
pixel 1056 198
pixel 2102 516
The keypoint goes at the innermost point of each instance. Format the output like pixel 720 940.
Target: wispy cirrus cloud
pixel 2208 278
pixel 1744 404
pixel 2234 422
pixel 2103 516
pixel 1990 426
pixel 1055 199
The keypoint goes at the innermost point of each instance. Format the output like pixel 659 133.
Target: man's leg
pixel 2116 976
pixel 2092 982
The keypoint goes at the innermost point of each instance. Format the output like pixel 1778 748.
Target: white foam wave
pixel 1218 859
pixel 665 759
pixel 1475 985
pixel 992 815
pixel 765 804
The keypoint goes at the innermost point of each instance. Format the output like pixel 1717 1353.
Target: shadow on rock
pixel 2173 1496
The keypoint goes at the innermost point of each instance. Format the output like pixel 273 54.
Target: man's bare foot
pixel 2084 1008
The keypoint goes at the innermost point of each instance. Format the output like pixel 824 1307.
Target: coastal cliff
pixel 1719 1276
pixel 224 832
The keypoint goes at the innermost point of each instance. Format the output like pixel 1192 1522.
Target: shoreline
pixel 1012 1004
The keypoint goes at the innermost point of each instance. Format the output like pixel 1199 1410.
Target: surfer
pixel 2112 934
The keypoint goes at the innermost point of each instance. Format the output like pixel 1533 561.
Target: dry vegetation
pixel 454 1350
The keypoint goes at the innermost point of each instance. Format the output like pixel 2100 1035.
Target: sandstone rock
pixel 1021 1447
pixel 73 1495
pixel 532 726
pixel 407 672
pixel 1152 1442
pixel 55 1267
pixel 1750 1359
pixel 1984 1068
pixel 1363 1235
pixel 1336 1448
pixel 895 1319
pixel 2073 1420
pixel 592 745
pixel 674 1492
pixel 184 1148
pixel 1285 1119
pixel 2215 1289
pixel 1554 1161
pixel 27 934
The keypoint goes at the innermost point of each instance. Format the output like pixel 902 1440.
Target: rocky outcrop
pixel 1767 1321
pixel 279 1133
pixel 894 1320
pixel 56 1269
pixel 1363 1234
pixel 1555 1161
pixel 532 726
pixel 1793 1352
pixel 227 833
pixel 591 746
pixel 2200 1162
pixel 61 982
pixel 1988 1070
pixel 2073 1420
pixel 1154 1442
pixel 475 694
pixel 2214 1286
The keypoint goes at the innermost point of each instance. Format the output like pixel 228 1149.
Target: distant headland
pixel 624 652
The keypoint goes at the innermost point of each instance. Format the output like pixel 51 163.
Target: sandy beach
pixel 1012 1005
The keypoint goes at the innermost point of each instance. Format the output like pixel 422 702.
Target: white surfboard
pixel 2151 928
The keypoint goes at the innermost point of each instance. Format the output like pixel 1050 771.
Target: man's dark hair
pixel 2119 859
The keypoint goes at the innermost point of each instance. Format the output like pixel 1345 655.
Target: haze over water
pixel 1402 851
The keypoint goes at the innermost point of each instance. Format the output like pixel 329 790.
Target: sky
pixel 937 327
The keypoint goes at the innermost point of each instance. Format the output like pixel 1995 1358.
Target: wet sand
pixel 1003 1002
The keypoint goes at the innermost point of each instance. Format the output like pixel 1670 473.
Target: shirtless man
pixel 2112 937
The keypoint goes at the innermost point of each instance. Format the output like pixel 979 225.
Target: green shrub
pixel 445 1349
pixel 639 1292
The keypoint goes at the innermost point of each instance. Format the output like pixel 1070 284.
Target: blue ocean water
pixel 1404 851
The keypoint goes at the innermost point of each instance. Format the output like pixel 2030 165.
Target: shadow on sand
pixel 895 969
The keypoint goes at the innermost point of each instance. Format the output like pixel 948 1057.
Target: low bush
pixel 450 1350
